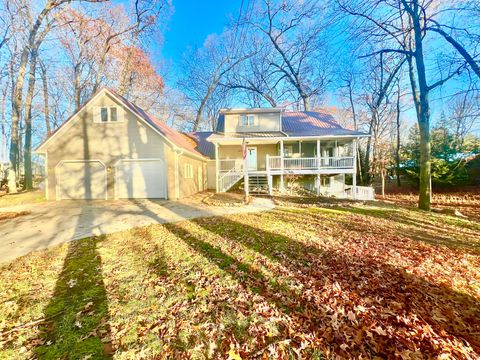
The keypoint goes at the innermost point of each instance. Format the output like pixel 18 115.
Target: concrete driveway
pixel 53 223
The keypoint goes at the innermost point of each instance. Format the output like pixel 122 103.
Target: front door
pixel 252 158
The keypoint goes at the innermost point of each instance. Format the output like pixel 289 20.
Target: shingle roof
pixel 312 123
pixel 202 145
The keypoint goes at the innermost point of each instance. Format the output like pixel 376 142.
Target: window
pixel 247 120
pixel 113 114
pixel 188 171
pixel 108 114
pixel 104 114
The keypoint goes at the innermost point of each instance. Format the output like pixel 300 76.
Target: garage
pixel 141 179
pixel 81 179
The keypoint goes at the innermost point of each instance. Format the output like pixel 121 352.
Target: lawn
pixel 352 280
pixel 21 198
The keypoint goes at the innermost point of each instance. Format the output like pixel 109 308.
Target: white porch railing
pixel 228 179
pixel 336 162
pixel 310 163
pixel 226 165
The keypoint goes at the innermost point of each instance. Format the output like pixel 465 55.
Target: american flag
pixel 244 149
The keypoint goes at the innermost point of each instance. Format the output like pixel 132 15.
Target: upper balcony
pixel 292 165
pixel 299 157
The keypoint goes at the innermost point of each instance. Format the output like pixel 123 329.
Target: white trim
pixel 97 118
pixel 256 158
pixel 165 187
pixel 61 162
pixel 188 174
pixel 69 121
pixel 47 193
pixel 286 138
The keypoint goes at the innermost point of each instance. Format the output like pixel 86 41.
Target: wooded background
pixel 404 71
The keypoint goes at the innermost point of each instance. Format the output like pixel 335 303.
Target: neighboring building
pixel 112 149
pixel 308 146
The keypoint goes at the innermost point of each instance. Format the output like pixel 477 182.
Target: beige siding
pixel 131 138
pixel 211 175
pixel 235 152
pixel 264 122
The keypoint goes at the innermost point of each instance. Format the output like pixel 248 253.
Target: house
pixel 310 147
pixel 112 149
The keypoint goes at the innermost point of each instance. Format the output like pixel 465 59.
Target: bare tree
pixel 29 49
pixel 204 69
pixel 400 27
pixel 293 30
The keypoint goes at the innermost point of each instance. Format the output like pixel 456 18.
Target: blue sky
pixel 192 21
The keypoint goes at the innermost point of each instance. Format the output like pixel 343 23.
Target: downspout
pixel 177 152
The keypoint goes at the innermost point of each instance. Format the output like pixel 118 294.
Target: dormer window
pixel 107 114
pixel 247 120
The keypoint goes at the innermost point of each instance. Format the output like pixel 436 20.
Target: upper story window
pixel 247 120
pixel 108 114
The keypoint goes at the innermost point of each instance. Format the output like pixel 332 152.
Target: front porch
pixel 269 162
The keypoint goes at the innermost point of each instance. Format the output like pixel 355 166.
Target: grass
pixel 21 198
pixel 348 281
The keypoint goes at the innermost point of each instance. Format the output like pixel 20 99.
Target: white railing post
pixel 282 184
pixel 217 167
pixel 354 177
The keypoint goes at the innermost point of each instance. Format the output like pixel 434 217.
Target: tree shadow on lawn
pixel 427 233
pixel 395 300
pixel 79 325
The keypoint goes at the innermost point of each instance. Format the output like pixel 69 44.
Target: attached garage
pixel 141 179
pixel 112 149
pixel 81 179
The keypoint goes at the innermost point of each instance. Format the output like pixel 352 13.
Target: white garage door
pixel 141 179
pixel 81 179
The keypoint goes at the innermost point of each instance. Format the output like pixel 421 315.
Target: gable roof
pixel 171 135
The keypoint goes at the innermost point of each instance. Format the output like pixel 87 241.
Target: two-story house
pixel 264 149
pixel 112 149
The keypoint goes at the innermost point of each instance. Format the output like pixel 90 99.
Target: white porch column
pixel 354 175
pixel 319 165
pixel 217 167
pixel 282 184
pixel 245 176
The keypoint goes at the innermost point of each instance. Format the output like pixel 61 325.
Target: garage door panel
pixel 136 179
pixel 81 180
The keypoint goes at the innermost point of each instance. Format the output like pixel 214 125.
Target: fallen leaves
pixel 365 282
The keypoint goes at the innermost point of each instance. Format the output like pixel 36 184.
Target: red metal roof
pixel 312 123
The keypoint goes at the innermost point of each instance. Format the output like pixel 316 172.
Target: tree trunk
pixel 76 87
pixel 397 150
pixel 306 102
pixel 27 149
pixel 422 106
pixel 358 157
pixel 17 100
pixel 382 172
pixel 46 107
pixel 198 117
pixel 4 135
